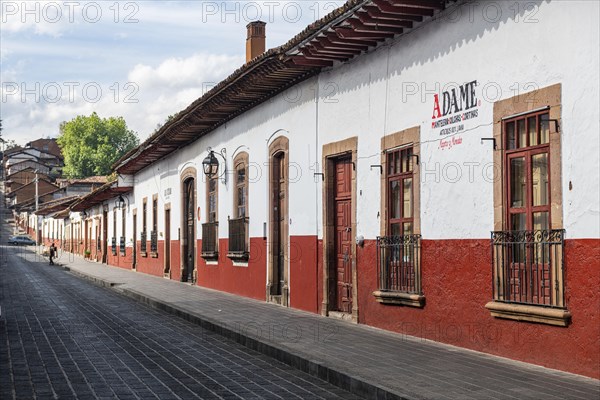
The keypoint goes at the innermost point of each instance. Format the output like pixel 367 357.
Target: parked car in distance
pixel 21 240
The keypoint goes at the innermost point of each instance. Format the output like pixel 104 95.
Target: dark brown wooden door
pixel 105 237
pixel 167 241
pixel 343 234
pixel 189 231
pixel 134 254
pixel 279 240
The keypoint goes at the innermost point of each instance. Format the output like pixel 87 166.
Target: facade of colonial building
pixel 429 171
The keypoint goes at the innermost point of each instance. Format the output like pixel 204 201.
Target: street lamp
pixel 210 165
pixel 120 202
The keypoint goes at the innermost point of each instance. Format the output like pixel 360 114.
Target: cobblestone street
pixel 63 337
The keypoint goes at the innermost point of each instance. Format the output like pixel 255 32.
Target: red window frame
pixel 399 169
pixel 211 198
pixel 526 151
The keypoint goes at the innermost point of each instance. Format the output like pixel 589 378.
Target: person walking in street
pixel 52 253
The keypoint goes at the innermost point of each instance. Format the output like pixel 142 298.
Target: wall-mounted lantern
pixel 210 165
pixel 120 202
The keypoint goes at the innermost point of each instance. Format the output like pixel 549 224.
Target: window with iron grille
pixel 240 193
pixel 154 242
pixel 123 228
pixel 238 239
pixel 113 245
pixel 398 253
pixel 528 257
pixel 143 243
pixel 122 249
pixel 527 244
pixel 143 236
pixel 238 227
pixel 210 230
pixel 154 232
pixel 155 214
pixel 211 199
pixel 144 214
pixel 400 192
pixel 115 231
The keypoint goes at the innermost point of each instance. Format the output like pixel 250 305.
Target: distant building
pixel 27 192
pixel 49 145
pixel 74 187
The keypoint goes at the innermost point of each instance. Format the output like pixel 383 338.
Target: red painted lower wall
pixel 304 273
pixel 456 280
pixel 175 260
pixel 119 260
pixel 248 280
pixel 149 264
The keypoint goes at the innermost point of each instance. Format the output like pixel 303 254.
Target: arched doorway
pixel 277 267
pixel 188 253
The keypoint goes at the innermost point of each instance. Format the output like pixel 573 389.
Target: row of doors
pixel 167 248
pixel 340 285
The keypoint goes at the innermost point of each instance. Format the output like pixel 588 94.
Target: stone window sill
pixel 153 254
pixel 210 255
pixel 238 256
pixel 400 298
pixel 521 312
pixel 143 254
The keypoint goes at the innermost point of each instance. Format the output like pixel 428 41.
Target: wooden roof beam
pixel 337 39
pixel 321 48
pixel 348 33
pixel 432 4
pixel 375 12
pixel 388 7
pixel 360 27
pixel 366 19
pixel 328 44
pixel 300 60
pixel 312 53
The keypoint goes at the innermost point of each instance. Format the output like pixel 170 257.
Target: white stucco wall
pixel 391 89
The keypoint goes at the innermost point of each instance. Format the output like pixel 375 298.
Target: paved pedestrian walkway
pixel 366 361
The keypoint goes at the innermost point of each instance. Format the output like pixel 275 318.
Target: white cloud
pixel 196 70
pixel 141 53
pixel 153 94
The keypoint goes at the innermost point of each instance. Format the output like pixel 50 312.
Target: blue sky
pixel 142 60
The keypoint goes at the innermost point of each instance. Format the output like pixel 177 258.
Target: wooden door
pixel 167 241
pixel 105 236
pixel 134 254
pixel 189 231
pixel 343 234
pixel 279 217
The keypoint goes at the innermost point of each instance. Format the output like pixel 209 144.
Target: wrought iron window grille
pixel 238 239
pixel 528 267
pixel 399 263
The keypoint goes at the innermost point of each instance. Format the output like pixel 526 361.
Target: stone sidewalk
pixel 369 362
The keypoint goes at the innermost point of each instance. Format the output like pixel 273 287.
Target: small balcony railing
pixel 399 263
pixel 528 267
pixel 143 243
pixel 210 234
pixel 154 242
pixel 238 238
pixel 122 245
pixel 113 246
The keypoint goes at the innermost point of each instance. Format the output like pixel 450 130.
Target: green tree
pixel 91 145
